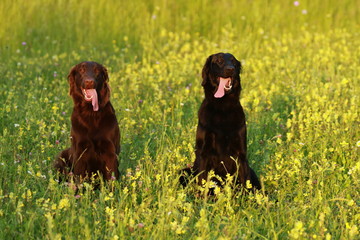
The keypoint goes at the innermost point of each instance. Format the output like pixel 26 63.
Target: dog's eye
pixel 96 71
pixel 81 69
pixel 220 61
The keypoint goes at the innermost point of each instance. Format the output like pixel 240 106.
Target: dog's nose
pixel 89 83
pixel 229 70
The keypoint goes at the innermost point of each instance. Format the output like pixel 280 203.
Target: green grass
pixel 301 96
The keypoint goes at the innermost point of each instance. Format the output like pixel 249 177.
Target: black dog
pixel 221 131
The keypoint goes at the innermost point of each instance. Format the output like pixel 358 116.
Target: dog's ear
pixel 104 74
pixel 104 97
pixel 105 90
pixel 238 66
pixel 206 70
pixel 71 79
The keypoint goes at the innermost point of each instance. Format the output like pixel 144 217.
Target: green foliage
pixel 300 92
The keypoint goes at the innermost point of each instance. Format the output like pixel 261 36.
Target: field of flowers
pixel 301 95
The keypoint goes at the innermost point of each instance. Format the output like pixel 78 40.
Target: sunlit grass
pixel 300 93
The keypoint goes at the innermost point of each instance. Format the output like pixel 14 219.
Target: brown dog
pixel 95 134
pixel 221 131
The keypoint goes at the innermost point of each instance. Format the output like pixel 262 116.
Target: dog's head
pixel 221 75
pixel 89 84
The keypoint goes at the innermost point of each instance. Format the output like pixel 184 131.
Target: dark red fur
pixel 95 135
pixel 221 132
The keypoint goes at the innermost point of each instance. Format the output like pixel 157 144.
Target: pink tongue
pixel 92 95
pixel 220 92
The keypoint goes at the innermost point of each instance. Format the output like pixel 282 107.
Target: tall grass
pixel 66 25
pixel 300 93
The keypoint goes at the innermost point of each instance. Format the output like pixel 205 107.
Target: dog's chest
pixel 223 121
pixel 223 125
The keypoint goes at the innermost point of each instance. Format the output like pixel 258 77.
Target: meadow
pixel 301 96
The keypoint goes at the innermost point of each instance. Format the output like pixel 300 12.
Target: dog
pixel 221 131
pixel 95 134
